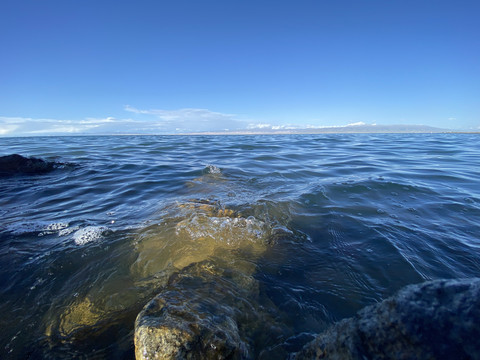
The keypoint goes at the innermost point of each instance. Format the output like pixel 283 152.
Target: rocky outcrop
pixel 209 308
pixel 195 317
pixel 195 271
pixel 434 320
pixel 16 165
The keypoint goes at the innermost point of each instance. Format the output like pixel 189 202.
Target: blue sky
pixel 69 66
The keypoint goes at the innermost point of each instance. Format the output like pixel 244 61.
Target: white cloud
pixel 41 126
pixel 263 126
pixel 155 121
pixel 190 119
pixel 360 123
pixel 152 121
pixel 259 126
pixel 97 121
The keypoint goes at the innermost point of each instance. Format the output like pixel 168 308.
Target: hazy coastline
pixel 349 129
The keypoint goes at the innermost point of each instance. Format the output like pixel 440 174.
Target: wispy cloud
pixel 141 121
pixel 156 121
pixel 360 123
pixel 42 126
pixel 265 126
pixel 191 119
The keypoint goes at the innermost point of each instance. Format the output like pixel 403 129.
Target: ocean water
pixel 321 225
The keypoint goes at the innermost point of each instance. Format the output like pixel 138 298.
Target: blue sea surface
pixel 353 218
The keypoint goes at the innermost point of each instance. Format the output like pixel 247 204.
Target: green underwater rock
pixel 200 261
pixel 195 316
pixel 209 307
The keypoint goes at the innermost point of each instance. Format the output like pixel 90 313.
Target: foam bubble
pixel 88 234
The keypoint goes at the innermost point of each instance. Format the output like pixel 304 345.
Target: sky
pixel 154 66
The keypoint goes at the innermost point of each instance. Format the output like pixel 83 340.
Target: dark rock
pixel 434 320
pixel 16 164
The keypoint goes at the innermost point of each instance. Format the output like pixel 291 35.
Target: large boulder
pixel 209 308
pixel 16 164
pixel 194 231
pixel 434 320
pixel 199 315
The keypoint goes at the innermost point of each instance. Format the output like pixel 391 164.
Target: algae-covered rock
pixel 194 231
pixel 79 315
pixel 81 318
pixel 194 317
pixel 198 235
pixel 207 310
pixel 434 320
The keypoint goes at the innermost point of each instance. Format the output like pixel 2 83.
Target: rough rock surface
pixel 16 164
pixel 434 320
pixel 195 317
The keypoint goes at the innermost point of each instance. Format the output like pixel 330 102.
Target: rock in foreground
pixel 434 320
pixel 195 317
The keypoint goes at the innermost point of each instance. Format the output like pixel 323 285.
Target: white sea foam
pixel 53 228
pixel 68 230
pixel 40 227
pixel 212 169
pixel 88 234
pixel 222 229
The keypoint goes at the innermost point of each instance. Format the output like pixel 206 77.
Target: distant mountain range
pixel 348 129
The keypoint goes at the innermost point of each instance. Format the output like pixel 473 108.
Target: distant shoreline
pixel 214 133
pixel 250 133
pixel 281 130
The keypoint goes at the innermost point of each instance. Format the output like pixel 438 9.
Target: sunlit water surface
pixel 322 224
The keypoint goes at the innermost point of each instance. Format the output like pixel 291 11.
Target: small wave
pixel 53 229
pixel 222 229
pixel 88 234
pixel 41 228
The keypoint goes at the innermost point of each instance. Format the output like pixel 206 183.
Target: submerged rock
pixel 206 311
pixel 197 265
pixel 434 320
pixel 195 231
pixel 209 308
pixel 15 164
pixel 78 316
